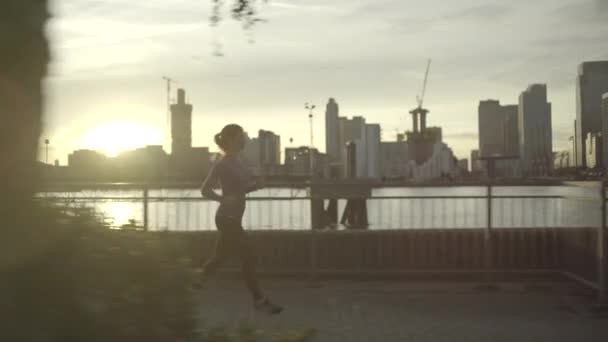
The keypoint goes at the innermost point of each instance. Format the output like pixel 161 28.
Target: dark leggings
pixel 233 240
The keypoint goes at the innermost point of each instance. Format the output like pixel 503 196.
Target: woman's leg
pixel 247 263
pixel 238 242
pixel 221 252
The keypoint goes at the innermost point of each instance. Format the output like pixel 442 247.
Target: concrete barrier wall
pixel 580 252
pixel 519 249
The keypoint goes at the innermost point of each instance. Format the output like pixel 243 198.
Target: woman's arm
pixel 256 185
pixel 207 187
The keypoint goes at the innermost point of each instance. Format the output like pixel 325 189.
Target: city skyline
pixel 125 59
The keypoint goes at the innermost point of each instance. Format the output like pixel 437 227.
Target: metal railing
pixel 156 212
pixel 487 210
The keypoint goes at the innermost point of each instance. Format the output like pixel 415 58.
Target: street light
pixel 46 143
pixel 310 108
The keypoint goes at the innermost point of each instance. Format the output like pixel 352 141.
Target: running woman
pixel 235 180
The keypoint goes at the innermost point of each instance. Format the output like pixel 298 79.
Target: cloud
pixel 488 11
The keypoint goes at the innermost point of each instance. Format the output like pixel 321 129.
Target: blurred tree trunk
pixel 24 56
pixel 23 64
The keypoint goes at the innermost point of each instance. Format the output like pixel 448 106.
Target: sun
pixel 114 137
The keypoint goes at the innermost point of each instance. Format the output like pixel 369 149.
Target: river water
pixel 289 209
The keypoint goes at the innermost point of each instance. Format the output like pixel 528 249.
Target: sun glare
pixel 117 136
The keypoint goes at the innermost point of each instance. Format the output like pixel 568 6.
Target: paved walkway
pixel 402 311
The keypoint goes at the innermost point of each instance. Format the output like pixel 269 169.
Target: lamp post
pixel 46 148
pixel 310 108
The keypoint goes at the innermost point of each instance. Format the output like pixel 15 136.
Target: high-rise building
pixel 476 165
pixel 394 158
pixel 605 130
pixel 332 138
pixel 372 153
pixel 463 165
pixel 366 138
pixel 181 125
pixel 270 148
pixel 592 82
pixel 251 153
pixel 510 131
pixel 263 154
pixel 491 131
pixel 534 121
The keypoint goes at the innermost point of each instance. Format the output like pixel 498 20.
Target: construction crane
pixel 420 111
pixel 168 81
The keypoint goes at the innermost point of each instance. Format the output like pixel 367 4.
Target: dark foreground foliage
pixel 85 282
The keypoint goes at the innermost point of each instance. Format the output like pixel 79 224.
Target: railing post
pixel 145 204
pixel 601 252
pixel 315 222
pixel 488 236
pixel 488 246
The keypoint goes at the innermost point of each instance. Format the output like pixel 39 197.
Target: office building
pixel 394 158
pixel 366 138
pixel 592 82
pixel 510 131
pixel 476 164
pixel 298 162
pixel 463 165
pixel 372 153
pixel 491 118
pixel 251 153
pixel 332 137
pixel 535 135
pixel 270 149
pixel 181 125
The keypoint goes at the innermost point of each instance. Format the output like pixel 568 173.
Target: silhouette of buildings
pixel 270 151
pixel 332 137
pixel 499 136
pixel 463 165
pixel 147 163
pixel 372 152
pixel 366 137
pixel 429 156
pixel 535 135
pixel 87 165
pixel 263 153
pixel 394 158
pixel 592 82
pixel 298 163
pixel 181 126
pixel 251 153
pixel 593 149
pixel 491 117
pixel 476 165
pixel 186 162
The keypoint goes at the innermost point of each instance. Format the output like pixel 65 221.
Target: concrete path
pixel 405 311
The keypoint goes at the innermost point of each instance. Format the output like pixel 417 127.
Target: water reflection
pixel 118 213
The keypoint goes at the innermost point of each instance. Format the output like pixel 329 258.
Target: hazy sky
pixel 109 57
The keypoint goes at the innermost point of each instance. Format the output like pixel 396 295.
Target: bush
pixel 84 282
